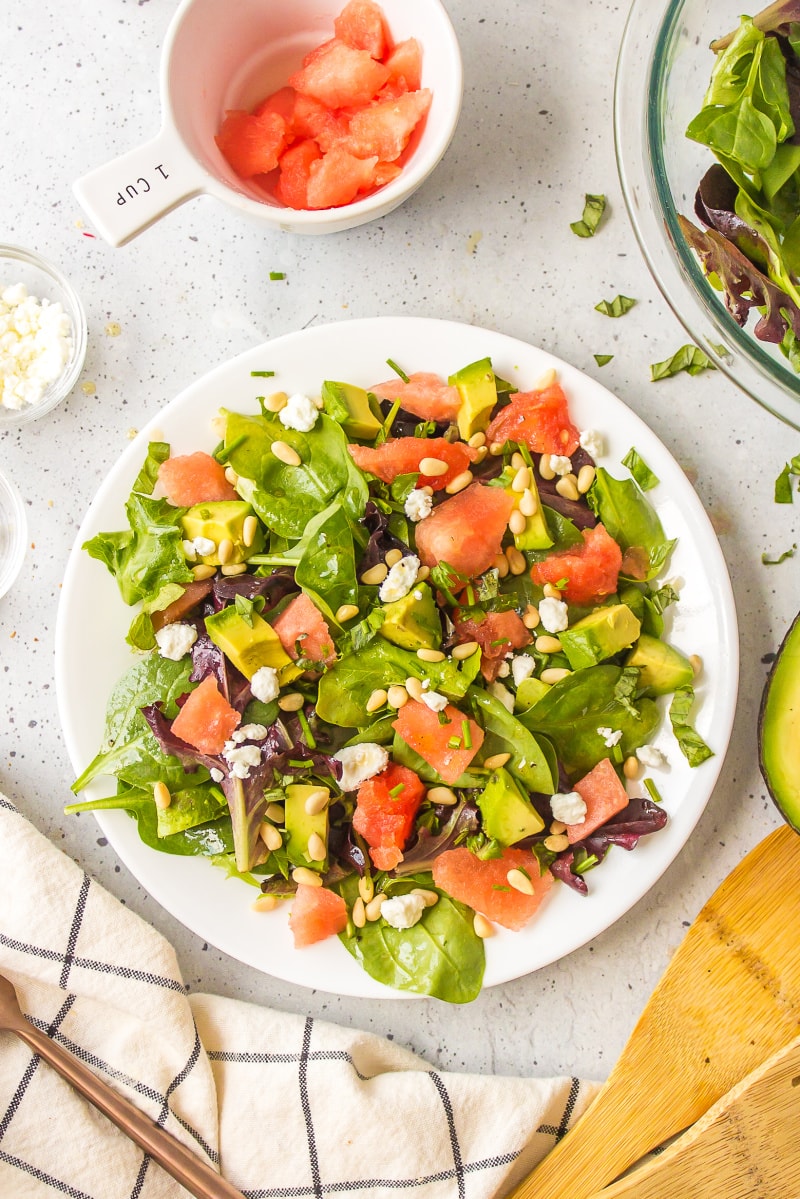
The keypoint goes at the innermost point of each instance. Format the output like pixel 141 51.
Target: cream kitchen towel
pixel 283 1105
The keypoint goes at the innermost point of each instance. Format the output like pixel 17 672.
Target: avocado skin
pixel 662 669
pixel 779 729
pixel 507 815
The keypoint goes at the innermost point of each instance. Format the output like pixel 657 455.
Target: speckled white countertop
pixel 487 241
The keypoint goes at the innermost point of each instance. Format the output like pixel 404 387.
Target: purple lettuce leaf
pixel 189 757
pixel 457 822
pixel 381 540
pixel 208 659
pixel 638 819
pixel 775 18
pixel 273 587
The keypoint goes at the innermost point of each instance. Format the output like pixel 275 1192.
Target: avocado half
pixel 779 728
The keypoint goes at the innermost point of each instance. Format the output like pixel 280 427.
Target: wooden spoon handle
pixel 198 1178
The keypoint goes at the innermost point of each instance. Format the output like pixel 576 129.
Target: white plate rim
pixel 217 909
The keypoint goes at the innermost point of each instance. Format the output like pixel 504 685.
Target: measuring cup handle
pixel 125 196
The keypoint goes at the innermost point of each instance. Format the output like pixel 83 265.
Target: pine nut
pixel 249 530
pixel 528 505
pixel 346 612
pixel 430 655
pixel 433 467
pixel 203 572
pixel 305 877
pixel 516 561
pixel 477 440
pixel 366 888
pixel 501 565
pixel 225 550
pixel 547 644
pixel 429 898
pixel 464 650
pixel 375 575
pixel 586 477
pixel 459 482
pixel 483 927
pixel 480 454
pixel 496 761
pixel 235 568
pixel 522 479
pixel 551 591
pixel 414 688
pixel 317 849
pixel 397 696
pixel 372 910
pixel 264 903
pixel 162 795
pixel 556 843
pixel 317 801
pixel 276 401
pixel 567 486
pixel 547 380
pixel 545 469
pixel 696 663
pixel 554 674
pixel 231 476
pixel 291 702
pixel 503 670
pixel 284 453
pixel 275 812
pixel 517 461
pixel 442 795
pixel 376 700
pixel 630 767
pixel 423 573
pixel 496 448
pixel 517 522
pixel 520 882
pixel 359 913
pixel 317 402
pixel 270 836
pixel 393 557
pixel 558 826
pixel 531 618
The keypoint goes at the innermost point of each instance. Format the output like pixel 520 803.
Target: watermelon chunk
pixel 206 719
pixel 252 144
pixel 316 913
pixel 591 570
pixel 386 806
pixel 339 75
pixel 360 24
pixel 338 177
pixel 405 64
pixel 421 728
pixel 604 795
pixel 496 634
pixel 424 395
pixel 466 530
pixel 301 626
pixel 483 885
pixel 384 127
pixel 295 172
pixel 197 478
pixel 193 594
pixel 538 419
pixel 402 456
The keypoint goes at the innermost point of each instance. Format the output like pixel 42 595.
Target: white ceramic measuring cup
pixel 220 55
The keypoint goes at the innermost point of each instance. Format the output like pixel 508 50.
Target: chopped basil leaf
pixel 691 744
pixel 602 359
pixel 640 470
pixel 767 561
pixel 593 209
pixel 397 370
pixel 783 486
pixel 688 358
pixel 616 307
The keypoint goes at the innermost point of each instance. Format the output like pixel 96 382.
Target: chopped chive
pixel 395 791
pixel 306 727
pixel 500 887
pixel 562 583
pixel 276 275
pixel 466 734
pixel 617 754
pixel 470 595
pixel 500 641
pixel 294 762
pixel 444 718
pixel 652 790
pixel 224 454
pixel 454 743
pixel 261 374
pixel 386 427
pixel 522 870
pixel 585 863
pixel 397 370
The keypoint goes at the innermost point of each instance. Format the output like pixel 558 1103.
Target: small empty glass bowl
pixel 44 281
pixel 13 533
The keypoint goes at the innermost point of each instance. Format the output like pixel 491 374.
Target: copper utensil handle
pixel 198 1178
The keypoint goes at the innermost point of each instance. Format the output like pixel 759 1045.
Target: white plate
pixel 92 622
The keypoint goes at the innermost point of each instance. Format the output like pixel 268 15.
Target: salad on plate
pixel 399 660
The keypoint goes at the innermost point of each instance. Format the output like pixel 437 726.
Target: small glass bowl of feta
pixel 42 336
pixel 13 533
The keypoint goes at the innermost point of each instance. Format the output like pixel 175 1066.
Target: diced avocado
pixel 349 405
pixel 662 669
pixel 779 729
pixel 508 816
pixel 599 635
pixel 536 534
pixel 413 622
pixel 529 692
pixel 300 826
pixel 478 392
pixel 222 520
pixel 249 646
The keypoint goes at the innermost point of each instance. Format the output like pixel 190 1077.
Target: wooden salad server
pixel 744 1146
pixel 729 998
pixel 198 1178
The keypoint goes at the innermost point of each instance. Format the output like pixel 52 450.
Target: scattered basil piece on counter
pixel 602 359
pixel 640 470
pixel 767 561
pixel 688 358
pixel 691 744
pixel 616 307
pixel 593 209
pixel 783 486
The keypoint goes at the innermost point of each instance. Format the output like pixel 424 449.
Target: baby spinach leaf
pixel 149 554
pixel 630 518
pixel 406 756
pixel 157 452
pixel 593 209
pixel 616 307
pixel 202 840
pixel 640 470
pixel 532 761
pixel 326 568
pixel 692 745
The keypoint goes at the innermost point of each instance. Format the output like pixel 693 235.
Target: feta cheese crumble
pixel 652 756
pixel 593 442
pixel 434 701
pixel 203 546
pixel 241 758
pixel 216 775
pixel 611 737
pixel 522 667
pixel 568 806
pixel 175 640
pixel 249 732
pixel 35 346
pixel 560 464
pixel 418 504
pixel 400 579
pixel 300 413
pixel 360 762
pixel 554 614
pixel 264 684
pixel 402 911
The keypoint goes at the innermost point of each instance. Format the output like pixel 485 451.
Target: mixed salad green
pixel 749 200
pixel 398 658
